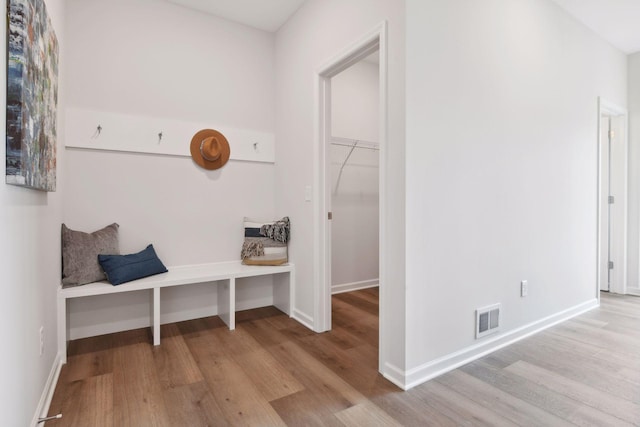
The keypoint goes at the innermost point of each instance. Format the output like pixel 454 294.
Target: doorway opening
pixel 336 143
pixel 353 156
pixel 612 198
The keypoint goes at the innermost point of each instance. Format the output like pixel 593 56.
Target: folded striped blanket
pixel 265 243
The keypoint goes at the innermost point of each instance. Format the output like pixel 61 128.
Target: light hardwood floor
pixel 272 371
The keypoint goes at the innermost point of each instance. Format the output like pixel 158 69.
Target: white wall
pixel 501 168
pixel 30 265
pixel 355 202
pixel 154 58
pixel 320 30
pixel 355 102
pixel 633 226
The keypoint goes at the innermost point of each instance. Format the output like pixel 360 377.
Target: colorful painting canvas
pixel 32 96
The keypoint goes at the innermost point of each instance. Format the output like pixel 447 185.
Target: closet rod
pixel 355 146
pixel 350 142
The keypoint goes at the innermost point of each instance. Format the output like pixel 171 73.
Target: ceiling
pixel 267 15
pixel 617 21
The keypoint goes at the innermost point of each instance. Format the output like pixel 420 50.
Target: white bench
pixel 180 276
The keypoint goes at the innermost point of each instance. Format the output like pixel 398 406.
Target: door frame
pixel 605 108
pixel 372 41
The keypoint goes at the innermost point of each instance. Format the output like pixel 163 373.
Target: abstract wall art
pixel 32 96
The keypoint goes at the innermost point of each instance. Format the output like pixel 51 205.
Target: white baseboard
pixel 354 286
pixel 47 391
pixel 394 374
pixel 633 290
pixel 437 367
pixel 303 318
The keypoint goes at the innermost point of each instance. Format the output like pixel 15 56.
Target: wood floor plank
pixel 410 410
pixel 353 365
pixel 365 414
pixel 87 402
pixel 234 392
pixel 173 360
pixel 598 336
pixel 631 375
pixel 306 408
pixel 510 407
pixel 355 299
pixel 268 375
pixel 543 397
pixel 137 398
pixel 620 408
pixel 359 323
pixel 198 327
pixel 460 409
pixel 571 363
pixel 193 405
pixel 370 294
pixel 314 375
pixel 109 341
pixel 264 333
pixel 85 365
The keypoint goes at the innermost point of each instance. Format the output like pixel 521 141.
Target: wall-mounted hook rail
pixel 104 130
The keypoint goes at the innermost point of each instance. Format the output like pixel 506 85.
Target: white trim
pixel 354 286
pixel 303 318
pixel 437 367
pixel 47 391
pixel 394 374
pixel 382 192
pixel 610 108
pixel 376 39
pixel 633 290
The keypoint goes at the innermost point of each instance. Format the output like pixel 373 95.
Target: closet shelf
pixel 355 143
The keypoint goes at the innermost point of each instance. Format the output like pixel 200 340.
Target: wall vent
pixel 487 320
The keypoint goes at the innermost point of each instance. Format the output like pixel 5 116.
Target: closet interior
pixel 354 153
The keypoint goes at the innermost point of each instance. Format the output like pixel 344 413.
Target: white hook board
pixel 140 134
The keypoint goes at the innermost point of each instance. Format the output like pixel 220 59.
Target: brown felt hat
pixel 210 149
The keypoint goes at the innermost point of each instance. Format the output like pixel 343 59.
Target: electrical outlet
pixel 524 288
pixel 41 340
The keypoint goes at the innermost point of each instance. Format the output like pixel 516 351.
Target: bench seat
pixel 227 272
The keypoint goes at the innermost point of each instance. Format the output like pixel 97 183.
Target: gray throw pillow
pixel 80 254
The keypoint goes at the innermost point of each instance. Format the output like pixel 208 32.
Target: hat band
pixel 202 150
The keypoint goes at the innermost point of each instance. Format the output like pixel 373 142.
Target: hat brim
pixel 196 155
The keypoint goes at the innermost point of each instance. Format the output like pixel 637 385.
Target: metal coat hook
pixel 160 137
pixel 98 131
pixel 255 146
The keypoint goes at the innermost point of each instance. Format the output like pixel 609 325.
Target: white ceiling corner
pixel 266 15
pixel 617 21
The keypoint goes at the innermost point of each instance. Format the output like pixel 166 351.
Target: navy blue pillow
pixel 125 268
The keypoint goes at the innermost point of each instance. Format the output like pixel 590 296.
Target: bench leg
pixel 227 302
pixel 63 325
pixel 283 285
pixel 155 316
